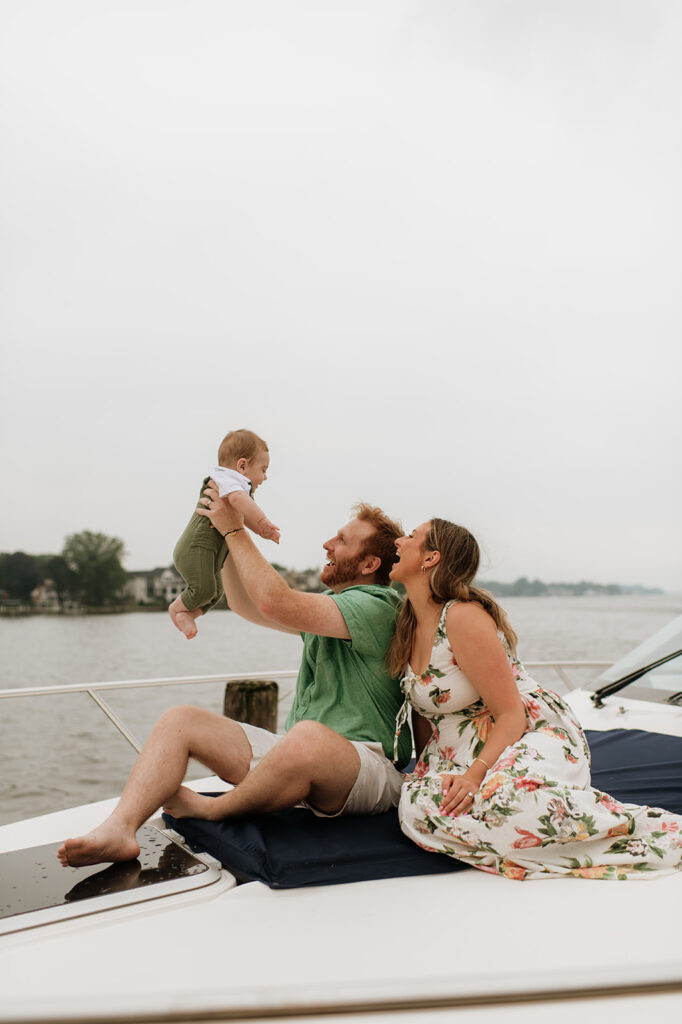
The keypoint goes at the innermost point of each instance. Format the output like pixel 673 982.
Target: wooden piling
pixel 253 701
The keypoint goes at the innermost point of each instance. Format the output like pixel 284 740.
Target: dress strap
pixel 402 716
pixel 446 606
pixel 400 720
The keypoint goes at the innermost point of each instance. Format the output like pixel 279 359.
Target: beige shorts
pixel 376 789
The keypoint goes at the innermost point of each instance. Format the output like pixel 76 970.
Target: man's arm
pixel 254 588
pixel 305 613
pixel 239 601
pixel 237 598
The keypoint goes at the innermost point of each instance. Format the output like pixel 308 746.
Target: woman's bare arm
pixel 472 635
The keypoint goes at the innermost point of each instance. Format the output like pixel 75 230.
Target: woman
pixel 503 778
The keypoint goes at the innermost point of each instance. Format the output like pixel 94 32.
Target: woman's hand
pixel 223 517
pixel 458 793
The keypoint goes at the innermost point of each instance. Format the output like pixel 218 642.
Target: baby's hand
pixel 268 530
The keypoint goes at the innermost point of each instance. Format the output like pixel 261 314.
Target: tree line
pixel 523 587
pixel 88 571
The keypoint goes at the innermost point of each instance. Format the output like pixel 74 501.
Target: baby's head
pixel 247 453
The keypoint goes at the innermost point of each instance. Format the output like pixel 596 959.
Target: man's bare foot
pixel 183 619
pixel 106 843
pixel 188 804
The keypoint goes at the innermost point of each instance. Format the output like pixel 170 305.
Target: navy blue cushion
pixel 293 848
pixel 638 767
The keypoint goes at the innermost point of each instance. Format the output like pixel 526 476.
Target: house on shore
pixel 154 586
pixel 163 585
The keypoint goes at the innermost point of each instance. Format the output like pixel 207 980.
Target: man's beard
pixel 342 572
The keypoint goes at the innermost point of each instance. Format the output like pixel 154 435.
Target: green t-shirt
pixel 345 684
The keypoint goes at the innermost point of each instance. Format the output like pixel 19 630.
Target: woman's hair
pixel 240 444
pixel 450 579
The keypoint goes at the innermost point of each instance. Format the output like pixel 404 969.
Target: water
pixel 60 751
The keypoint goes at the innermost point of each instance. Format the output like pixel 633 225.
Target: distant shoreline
pixel 520 588
pixel 20 610
pixel 523 587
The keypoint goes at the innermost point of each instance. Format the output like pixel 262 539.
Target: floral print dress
pixel 535 814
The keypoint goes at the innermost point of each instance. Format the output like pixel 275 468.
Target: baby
pixel 199 554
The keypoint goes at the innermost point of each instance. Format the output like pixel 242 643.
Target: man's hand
pixel 223 517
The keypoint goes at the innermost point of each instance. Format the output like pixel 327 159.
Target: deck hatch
pixel 35 889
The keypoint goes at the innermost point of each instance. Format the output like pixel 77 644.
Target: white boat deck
pixel 459 940
pixel 447 939
pixel 466 946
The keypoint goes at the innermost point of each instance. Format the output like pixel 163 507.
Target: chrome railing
pixel 560 668
pixel 94 690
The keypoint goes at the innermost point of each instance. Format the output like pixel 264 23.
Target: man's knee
pixel 310 731
pixel 214 740
pixel 311 746
pixel 305 745
pixel 191 721
pixel 178 717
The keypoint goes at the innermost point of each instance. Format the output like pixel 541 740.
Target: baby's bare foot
pixel 185 622
pixel 188 804
pixel 173 612
pixel 103 844
pixel 183 619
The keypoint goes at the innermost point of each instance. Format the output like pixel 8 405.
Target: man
pixel 335 756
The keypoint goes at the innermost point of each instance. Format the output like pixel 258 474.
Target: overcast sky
pixel 429 250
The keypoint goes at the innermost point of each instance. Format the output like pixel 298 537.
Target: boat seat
pixel 638 767
pixel 292 848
